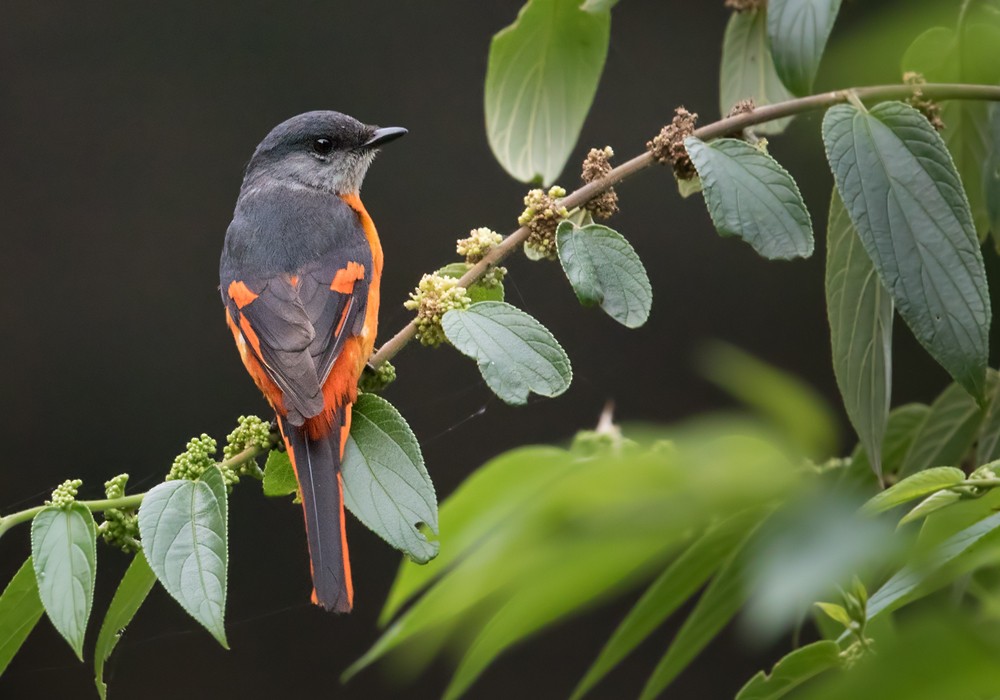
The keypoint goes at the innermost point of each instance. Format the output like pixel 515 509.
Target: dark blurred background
pixel 124 128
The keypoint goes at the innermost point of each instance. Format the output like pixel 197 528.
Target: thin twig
pixel 722 127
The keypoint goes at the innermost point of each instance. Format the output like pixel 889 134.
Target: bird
pixel 299 276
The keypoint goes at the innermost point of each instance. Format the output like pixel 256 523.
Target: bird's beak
pixel 384 135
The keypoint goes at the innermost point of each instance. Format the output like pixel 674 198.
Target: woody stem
pixel 722 127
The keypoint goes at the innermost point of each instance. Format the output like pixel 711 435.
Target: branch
pixel 126 502
pixel 722 127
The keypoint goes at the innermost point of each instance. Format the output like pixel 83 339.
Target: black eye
pixel 322 145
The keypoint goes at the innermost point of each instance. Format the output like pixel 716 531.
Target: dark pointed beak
pixel 384 135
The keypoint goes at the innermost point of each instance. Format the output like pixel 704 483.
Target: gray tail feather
pixel 317 468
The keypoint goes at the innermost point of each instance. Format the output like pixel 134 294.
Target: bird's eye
pixel 322 145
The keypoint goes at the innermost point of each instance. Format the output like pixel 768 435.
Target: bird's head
pixel 321 150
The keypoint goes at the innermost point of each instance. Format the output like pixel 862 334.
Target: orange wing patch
pixel 344 280
pixel 241 294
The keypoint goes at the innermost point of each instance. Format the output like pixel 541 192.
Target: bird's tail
pixel 317 467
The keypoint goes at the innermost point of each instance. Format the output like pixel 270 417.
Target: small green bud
pixel 65 493
pixel 374 381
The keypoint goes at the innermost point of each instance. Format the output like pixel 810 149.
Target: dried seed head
pixel 929 108
pixel 596 165
pixel 742 107
pixel 667 147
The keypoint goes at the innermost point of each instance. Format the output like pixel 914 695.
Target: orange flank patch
pixel 344 280
pixel 241 294
pixel 250 334
pixel 253 365
pixel 294 279
pixel 345 429
pixel 348 583
pixel 343 318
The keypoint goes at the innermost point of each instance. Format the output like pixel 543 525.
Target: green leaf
pixel 942 58
pixel 478 291
pixel 604 269
pixel 488 499
pixel 279 476
pixel 899 589
pixel 748 69
pixel 991 172
pixel 860 314
pixel 184 532
pixel 540 82
pixel 516 354
pixel 947 432
pixel 668 592
pixel 750 196
pixel 913 487
pixel 597 5
pixel 20 611
pixel 386 485
pixel 988 442
pixel 64 555
pixel 835 612
pixel 905 199
pixel 132 591
pixel 791 671
pixel 793 406
pixel 934 502
pixel 588 570
pixel 716 607
pixel 798 30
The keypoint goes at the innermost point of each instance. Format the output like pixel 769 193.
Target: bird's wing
pixel 296 323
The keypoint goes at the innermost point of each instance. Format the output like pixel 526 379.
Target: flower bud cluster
pixel 121 525
pixel 65 493
pixel 250 431
pixel 542 214
pixel 435 296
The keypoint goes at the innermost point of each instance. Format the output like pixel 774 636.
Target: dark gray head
pixel 320 150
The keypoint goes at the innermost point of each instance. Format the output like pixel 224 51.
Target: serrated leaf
pixel 132 591
pixel 941 58
pixel 715 608
pixel 794 669
pixel 946 433
pixel 913 487
pixel 516 354
pixel 668 592
pixel 386 485
pixel 279 476
pixel 905 199
pixel 934 502
pixel 750 196
pixel 541 79
pixel 798 31
pixel 604 269
pixel 20 611
pixel 748 69
pixel 64 555
pixel 184 529
pixel 860 313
